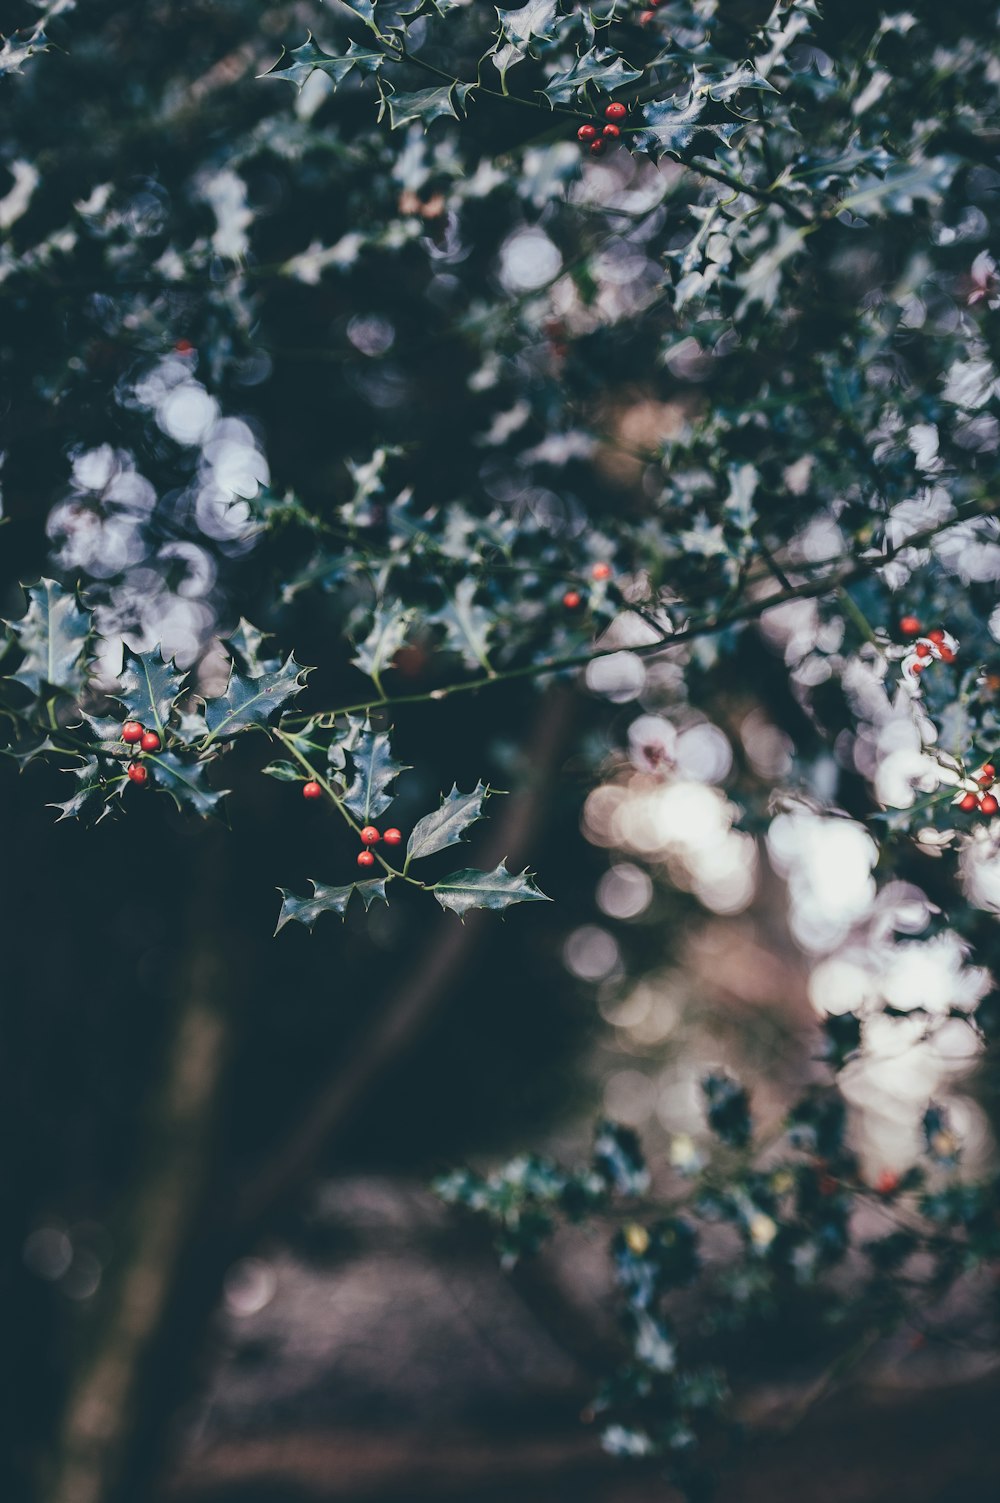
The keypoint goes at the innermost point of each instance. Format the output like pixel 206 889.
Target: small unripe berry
pixel 586 133
pixel 612 132
pixel 366 858
pixel 601 571
pixel 596 147
pixel 131 731
pixel 968 803
pixel 370 836
pixel 137 773
pixel 150 741
pixel 392 837
pixel 572 600
pixel 909 626
pixel 615 111
pixel 988 804
pixel 311 790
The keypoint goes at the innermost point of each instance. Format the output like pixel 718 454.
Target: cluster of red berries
pixel 135 734
pixel 596 137
pixel 909 626
pixel 369 837
pixel 986 803
pixel 573 599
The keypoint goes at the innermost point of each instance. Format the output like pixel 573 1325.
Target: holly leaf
pixel 250 701
pixel 388 633
pixel 424 105
pixel 600 66
pixel 467 626
pixel 52 635
pixel 89 803
pixel 744 77
pixel 326 900
pixel 518 28
pixel 148 686
pixel 374 770
pixel 496 890
pixel 285 772
pixel 445 826
pixel 245 646
pixel 670 125
pixel 309 58
pixel 186 782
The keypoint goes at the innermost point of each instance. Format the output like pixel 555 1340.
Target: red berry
pixel 131 731
pixel 184 347
pixel 150 741
pixel 586 133
pixel 137 774
pixel 968 803
pixel 946 655
pixel 922 650
pixel 370 836
pixel 366 858
pixel 311 790
pixel 601 571
pixel 646 16
pixel 887 1182
pixel 909 626
pixel 615 111
pixel 612 132
pixel 392 837
pixel 572 600
pixel 988 804
pixel 989 771
pixel 937 635
pixel 596 147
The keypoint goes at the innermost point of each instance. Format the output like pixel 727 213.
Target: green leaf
pixel 446 825
pixel 425 104
pixel 248 702
pixel 309 58
pixel 744 77
pixel 186 782
pixel 467 625
pixel 52 635
pixel 670 125
pixel 245 646
pixel 518 28
pixel 285 772
pixel 600 66
pixel 388 633
pixel 495 890
pixel 374 770
pixel 90 802
pixel 326 900
pixel 148 687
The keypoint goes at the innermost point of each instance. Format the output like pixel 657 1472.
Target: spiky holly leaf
pixel 600 66
pixel 148 687
pixel 425 105
pixel 670 125
pixel 518 28
pixel 367 795
pixel 446 825
pixel 467 625
pixel 724 87
pixel 186 782
pixel 495 890
pixel 326 900
pixel 246 647
pixel 389 627
pixel 89 803
pixel 248 701
pixel 52 635
pixel 309 58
